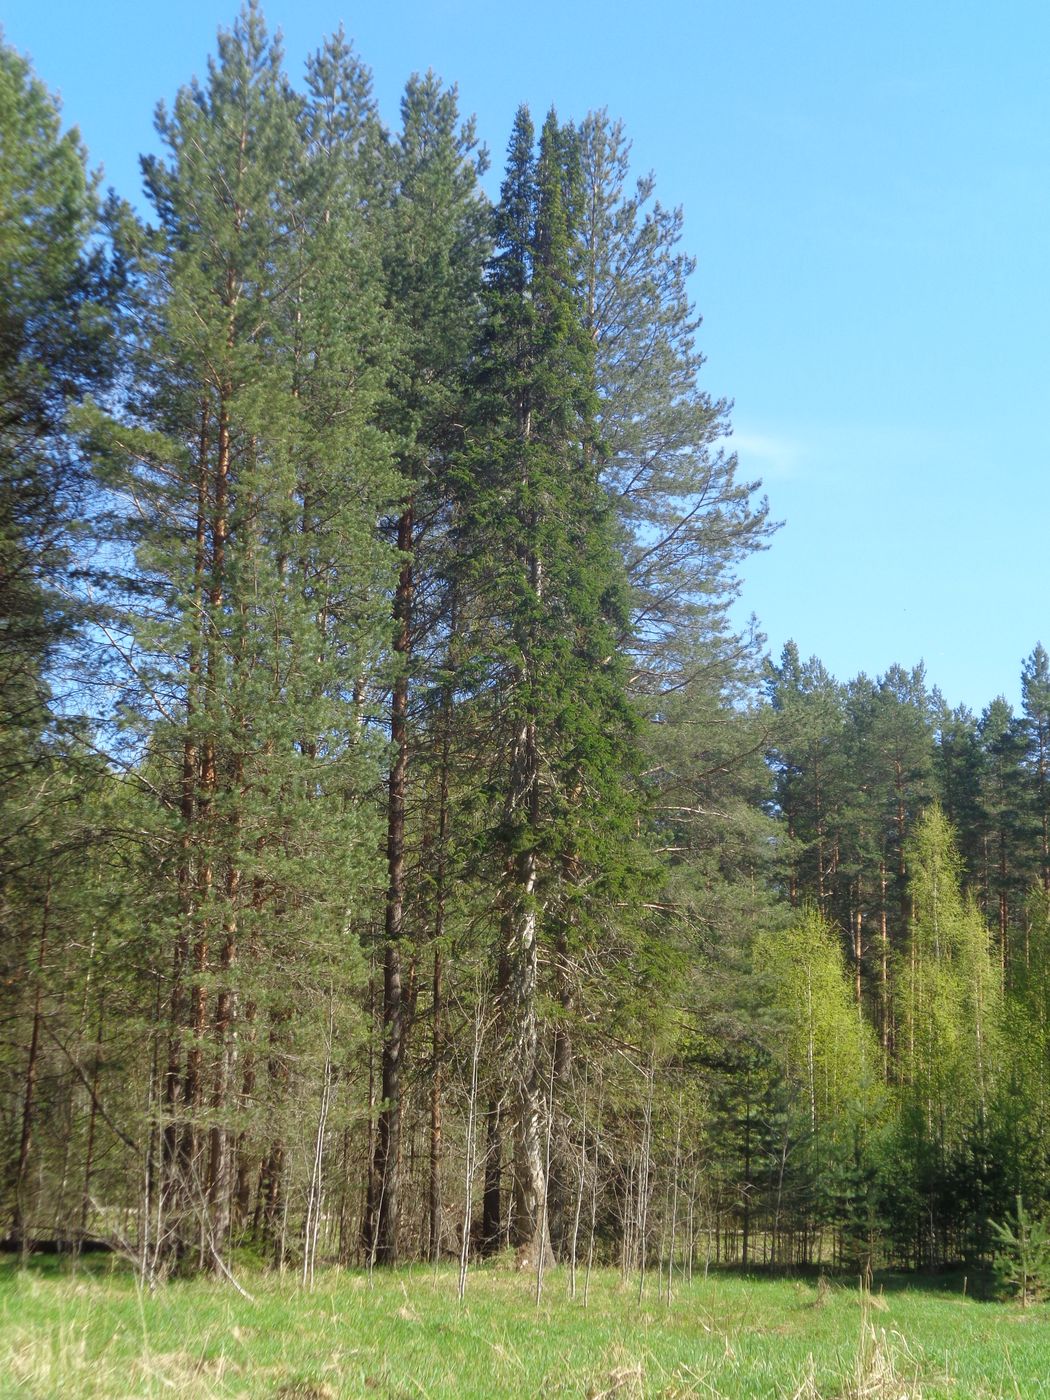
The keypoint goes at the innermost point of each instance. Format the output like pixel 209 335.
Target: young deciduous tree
pixel 829 1050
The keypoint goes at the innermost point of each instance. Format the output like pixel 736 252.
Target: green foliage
pixel 807 757
pixel 1022 1257
pixel 827 1049
pixel 949 990
pixel 540 575
pixel 382 463
pixel 52 347
pixel 687 520
pixel 1035 700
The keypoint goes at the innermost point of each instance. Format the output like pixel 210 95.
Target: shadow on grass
pixel 64 1266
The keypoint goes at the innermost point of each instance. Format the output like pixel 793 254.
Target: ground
pixel 90 1331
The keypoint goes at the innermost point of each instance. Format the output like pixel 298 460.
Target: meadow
pixel 90 1331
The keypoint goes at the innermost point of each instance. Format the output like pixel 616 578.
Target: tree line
pixel 403 854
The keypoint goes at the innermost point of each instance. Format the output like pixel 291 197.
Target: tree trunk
pixel 885 1006
pixel 437 1027
pixel 89 1150
pixel 246 1161
pixel 492 1199
pixel 193 1093
pixel 529 1233
pixel 562 1169
pixel 387 1153
pixel 436 1144
pixel 220 1165
pixel 25 1144
pixel 178 1006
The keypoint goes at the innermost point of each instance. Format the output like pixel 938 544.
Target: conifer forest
pixel 404 854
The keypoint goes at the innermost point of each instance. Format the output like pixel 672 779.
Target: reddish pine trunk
pixel 386 1168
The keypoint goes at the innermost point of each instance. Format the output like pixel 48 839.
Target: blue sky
pixel 867 190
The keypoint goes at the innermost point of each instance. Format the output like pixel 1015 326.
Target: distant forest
pixel 402 853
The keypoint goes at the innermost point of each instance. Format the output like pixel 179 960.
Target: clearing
pixel 89 1330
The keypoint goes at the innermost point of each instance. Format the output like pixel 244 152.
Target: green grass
pixel 90 1332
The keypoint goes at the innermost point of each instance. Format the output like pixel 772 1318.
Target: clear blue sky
pixel 867 190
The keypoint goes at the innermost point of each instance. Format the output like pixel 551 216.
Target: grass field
pixel 90 1332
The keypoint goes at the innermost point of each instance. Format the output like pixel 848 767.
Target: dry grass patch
pixel 626 1381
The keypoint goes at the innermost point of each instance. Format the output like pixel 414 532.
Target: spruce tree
pixel 546 599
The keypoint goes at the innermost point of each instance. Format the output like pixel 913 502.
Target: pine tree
pixel 54 346
pixel 958 765
pixel 252 442
pixel 1008 854
pixel 686 522
pixel 687 519
pixel 807 758
pixel 434 248
pixel 1035 702
pixel 889 753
